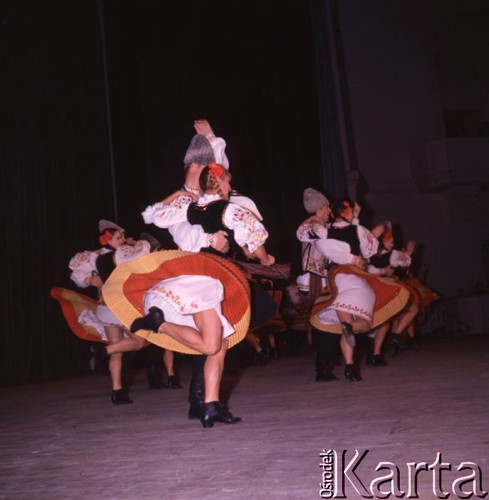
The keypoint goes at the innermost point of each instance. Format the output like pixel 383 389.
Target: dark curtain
pixel 333 106
pixel 248 67
pixel 55 180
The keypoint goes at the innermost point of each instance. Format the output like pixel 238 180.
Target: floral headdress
pixel 216 170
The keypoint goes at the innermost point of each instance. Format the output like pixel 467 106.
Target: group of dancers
pixel 197 300
pixel 356 282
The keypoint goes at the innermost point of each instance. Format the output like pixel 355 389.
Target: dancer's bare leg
pixel 168 357
pixel 379 338
pixel 207 339
pixel 405 319
pixel 114 335
pixel 213 368
pixel 128 344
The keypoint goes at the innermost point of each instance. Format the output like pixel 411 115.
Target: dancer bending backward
pixel 204 148
pixel 355 294
pixel 92 268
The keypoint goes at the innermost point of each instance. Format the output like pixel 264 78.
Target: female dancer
pixel 92 268
pixel 179 296
pixel 357 300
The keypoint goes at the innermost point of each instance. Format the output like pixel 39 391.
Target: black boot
pixel 196 391
pixel 325 376
pixel 351 374
pixel 154 376
pixel 226 417
pixel 369 355
pixel 173 382
pixel 395 341
pixel 151 322
pixel 378 360
pixel 120 397
pixel 216 412
pixel 210 414
pixel 412 344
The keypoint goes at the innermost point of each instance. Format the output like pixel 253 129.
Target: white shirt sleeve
pixel 188 237
pixel 166 215
pixel 336 251
pixel 399 259
pixel 309 232
pixel 369 244
pixel 248 230
pixel 218 145
pixel 82 267
pixel 246 202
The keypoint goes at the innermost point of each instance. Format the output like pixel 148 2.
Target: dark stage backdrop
pixel 248 67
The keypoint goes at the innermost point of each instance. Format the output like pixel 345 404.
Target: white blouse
pixel 83 264
pixel 248 230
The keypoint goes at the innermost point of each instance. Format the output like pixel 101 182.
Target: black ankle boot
pixel 378 360
pixel 173 382
pixel 196 390
pixel 154 376
pixel 151 322
pixel 216 412
pixel 210 414
pixel 325 376
pixel 120 397
pixel 395 341
pixel 351 374
pixel 226 417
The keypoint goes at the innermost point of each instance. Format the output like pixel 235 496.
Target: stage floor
pixel 65 440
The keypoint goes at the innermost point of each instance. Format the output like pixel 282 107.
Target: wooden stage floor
pixel 65 440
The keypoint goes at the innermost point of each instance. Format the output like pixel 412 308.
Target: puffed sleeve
pixel 311 231
pixel 248 230
pixel 399 259
pixel 125 252
pixel 336 251
pixel 186 236
pixel 82 267
pixel 218 145
pixel 369 244
pixel 166 215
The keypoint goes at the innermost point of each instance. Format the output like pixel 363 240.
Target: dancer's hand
pixel 219 241
pixel 267 260
pixel 203 127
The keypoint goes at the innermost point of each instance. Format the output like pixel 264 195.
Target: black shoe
pixel 216 412
pixel 412 344
pixel 151 322
pixel 260 358
pixel 351 374
pixel 348 333
pixel 173 382
pixel 395 341
pixel 209 415
pixel 155 384
pixel 325 376
pixel 378 360
pixel 120 397
pixel 154 376
pixel 226 417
